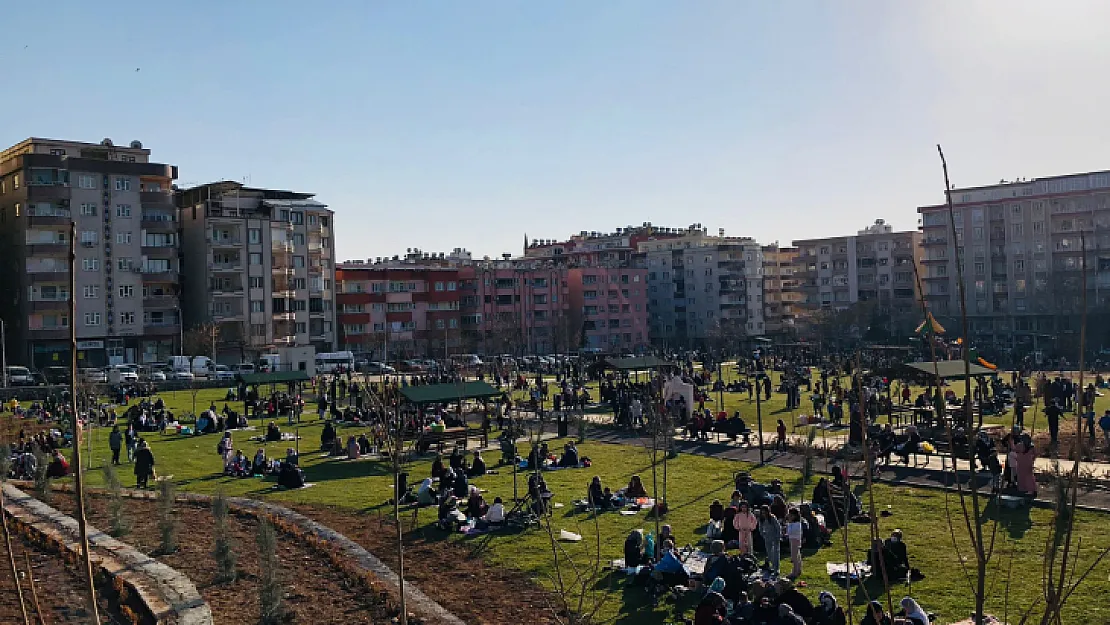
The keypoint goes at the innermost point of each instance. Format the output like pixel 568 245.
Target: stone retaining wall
pixel 169 596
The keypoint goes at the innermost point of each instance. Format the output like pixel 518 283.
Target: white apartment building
pixel 260 263
pixel 701 287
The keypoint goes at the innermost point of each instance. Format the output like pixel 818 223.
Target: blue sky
pixel 446 124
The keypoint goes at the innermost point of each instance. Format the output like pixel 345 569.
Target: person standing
pixel 131 439
pixel 1053 412
pixel 794 534
pixel 144 465
pixel 744 522
pixel 115 443
pixel 771 533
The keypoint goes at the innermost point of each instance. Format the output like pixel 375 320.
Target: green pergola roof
pixel 949 369
pixel 443 393
pixel 277 377
pixel 633 364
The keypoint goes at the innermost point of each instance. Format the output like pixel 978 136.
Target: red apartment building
pixel 394 311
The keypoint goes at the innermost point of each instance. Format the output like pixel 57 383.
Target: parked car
pixel 183 376
pixel 19 376
pixel 56 375
pixel 223 372
pixel 94 376
pixel 245 368
pixel 127 373
pixel 377 368
pixel 411 366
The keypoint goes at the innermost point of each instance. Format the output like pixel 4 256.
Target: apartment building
pixel 781 290
pixel 597 248
pixel 1024 244
pixel 703 288
pixel 392 311
pixel 613 304
pixel 517 307
pixel 875 265
pixel 259 263
pixel 120 205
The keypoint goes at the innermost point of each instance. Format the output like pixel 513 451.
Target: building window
pixel 91 291
pixel 127 291
pixel 90 264
pixel 300 305
pixel 92 319
pixel 297 218
pixel 298 238
pixel 86 182
pixel 15 182
pixel 258 306
pixel 88 210
pixel 127 318
pixel 255 258
pixel 298 262
pixel 254 236
pixel 256 283
pixel 89 237
pixel 123 210
pixel 299 283
pixel 123 238
pixel 127 158
pixel 123 184
pixel 301 327
pixel 451 286
pixel 440 286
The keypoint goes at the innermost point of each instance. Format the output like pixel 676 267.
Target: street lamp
pixel 759 411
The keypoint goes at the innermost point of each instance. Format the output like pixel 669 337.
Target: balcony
pixel 38 277
pixel 282 247
pixel 52 216
pixel 151 274
pixel 284 316
pixel 159 251
pixel 156 198
pixel 226 290
pixel 55 333
pixel 48 249
pixel 161 329
pixel 225 242
pixel 225 267
pixel 934 241
pixel 42 305
pixel 283 293
pixel 160 301
pixel 153 222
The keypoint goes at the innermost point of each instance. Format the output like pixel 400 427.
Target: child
pixel 780 444
pixel 794 533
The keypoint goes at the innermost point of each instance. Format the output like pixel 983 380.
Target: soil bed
pixel 446 571
pixel 61 591
pixel 314 591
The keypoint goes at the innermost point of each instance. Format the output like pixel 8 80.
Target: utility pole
pixel 78 471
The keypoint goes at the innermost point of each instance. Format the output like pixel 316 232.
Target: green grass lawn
pixel 694 481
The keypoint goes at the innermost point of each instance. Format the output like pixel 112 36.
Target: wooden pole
pixel 11 559
pixel 78 470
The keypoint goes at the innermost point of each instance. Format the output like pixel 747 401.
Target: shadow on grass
pixel 1016 522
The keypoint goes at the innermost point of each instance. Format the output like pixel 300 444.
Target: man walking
pixel 115 443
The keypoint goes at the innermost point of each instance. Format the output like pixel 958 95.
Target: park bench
pixel 425 440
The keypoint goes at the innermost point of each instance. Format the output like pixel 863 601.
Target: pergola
pixel 949 369
pixel 446 393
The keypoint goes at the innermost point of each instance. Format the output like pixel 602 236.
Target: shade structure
pixel 444 393
pixel 949 369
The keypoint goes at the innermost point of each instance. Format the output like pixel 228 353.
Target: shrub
pixel 222 552
pixel 42 480
pixel 118 522
pixel 270 606
pixel 5 461
pixel 167 518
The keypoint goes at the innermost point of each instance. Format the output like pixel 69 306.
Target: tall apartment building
pixel 517 307
pixel 1022 244
pixel 781 290
pixel 127 254
pixel 394 310
pixel 259 263
pixel 703 288
pixel 875 265
pixel 617 248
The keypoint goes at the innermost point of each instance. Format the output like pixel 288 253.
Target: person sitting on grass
pixel 327 437
pixel 438 470
pixel 716 511
pixel 495 516
pixel 912 612
pixel 891 554
pixel 634 548
pixel 426 494
pixel 595 494
pixel 476 506
pixel 292 457
pixel 814 536
pixel 239 465
pixel 352 449
pixel 273 433
pixel 828 612
pixel 478 465
pixel 258 467
pixel 875 615
pixel 570 455
pixel 450 517
pixel 713 610
pixel 635 488
pixel 457 460
pixel 460 487
pixel 290 476
pixel 58 466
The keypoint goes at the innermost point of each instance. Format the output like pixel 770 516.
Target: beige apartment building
pixel 874 265
pixel 1022 246
pixel 781 291
pixel 127 270
pixel 260 264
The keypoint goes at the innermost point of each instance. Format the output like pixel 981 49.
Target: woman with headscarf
pixel 875 615
pixel 771 532
pixel 634 548
pixel 713 610
pixel 828 612
pixel 1026 459
pixel 728 526
pixel 745 523
pixel 913 612
pixel 425 495
pixel 787 616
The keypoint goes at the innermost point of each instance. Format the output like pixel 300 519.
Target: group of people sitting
pixel 600 497
pixel 237 464
pixel 541 458
pixel 210 421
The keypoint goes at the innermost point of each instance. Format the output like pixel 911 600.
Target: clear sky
pixel 447 124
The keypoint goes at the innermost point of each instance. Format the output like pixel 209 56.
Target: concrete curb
pixel 169 595
pixel 416 601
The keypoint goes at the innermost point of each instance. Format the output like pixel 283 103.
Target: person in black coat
pixel 478 465
pixel 144 464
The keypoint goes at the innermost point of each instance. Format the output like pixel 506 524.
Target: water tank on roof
pixel 106 142
pixel 138 145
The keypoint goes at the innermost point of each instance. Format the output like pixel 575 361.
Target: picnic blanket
pixel 851 572
pixel 285 437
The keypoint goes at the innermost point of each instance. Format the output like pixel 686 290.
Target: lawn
pixel 694 481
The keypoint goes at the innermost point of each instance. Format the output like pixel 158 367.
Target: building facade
pixel 876 266
pixel 703 289
pixel 397 311
pixel 259 264
pixel 781 291
pixel 120 205
pixel 1024 245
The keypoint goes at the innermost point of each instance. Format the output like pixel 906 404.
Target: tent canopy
pixel 277 377
pixel 444 393
pixel 633 364
pixel 949 369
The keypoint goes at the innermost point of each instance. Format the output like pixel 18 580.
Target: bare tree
pixel 202 339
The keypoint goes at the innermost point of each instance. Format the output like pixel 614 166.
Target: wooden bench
pixel 426 439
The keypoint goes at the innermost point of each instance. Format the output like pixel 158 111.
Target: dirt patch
pixel 60 590
pixel 446 571
pixel 314 591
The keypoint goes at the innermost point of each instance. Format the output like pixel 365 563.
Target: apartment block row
pixel 153 260
pixel 420 306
